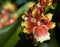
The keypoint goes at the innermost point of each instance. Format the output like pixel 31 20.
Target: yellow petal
pixel 34 12
pixel 25 30
pixel 52 7
pixel 53 25
pixel 24 24
pixel 31 5
pixel 50 3
pixel 49 16
pixel 43 17
pixel 23 16
pixel 44 0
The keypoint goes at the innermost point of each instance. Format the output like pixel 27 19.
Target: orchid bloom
pixel 38 23
pixel 5 19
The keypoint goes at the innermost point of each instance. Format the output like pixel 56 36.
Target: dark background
pixel 56 18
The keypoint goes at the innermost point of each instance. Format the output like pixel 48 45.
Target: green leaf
pixel 4 38
pixel 47 8
pixel 13 40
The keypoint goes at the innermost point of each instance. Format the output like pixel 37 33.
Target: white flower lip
pixel 43 38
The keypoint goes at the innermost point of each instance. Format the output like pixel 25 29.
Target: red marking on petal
pixel 49 25
pixel 46 20
pixel 37 17
pixel 31 24
pixel 40 31
pixel 29 16
pixel 41 10
pixel 42 23
pixel 30 30
pixel 44 3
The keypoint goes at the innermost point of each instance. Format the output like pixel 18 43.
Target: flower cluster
pixel 5 19
pixel 37 22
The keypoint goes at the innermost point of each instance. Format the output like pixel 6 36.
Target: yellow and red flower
pixel 38 23
pixel 5 19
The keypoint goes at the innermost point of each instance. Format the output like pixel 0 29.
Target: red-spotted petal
pixel 50 25
pixel 40 30
pixel 31 24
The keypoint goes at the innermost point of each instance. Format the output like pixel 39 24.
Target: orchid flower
pixel 38 23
